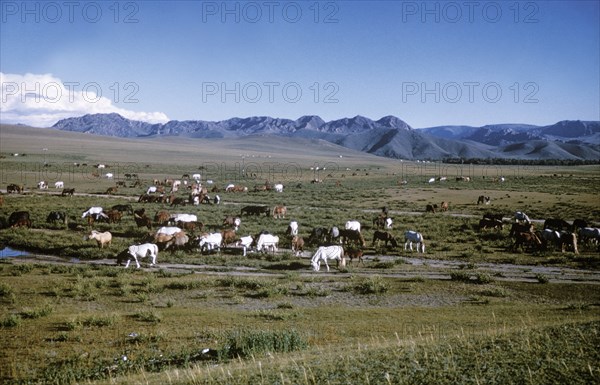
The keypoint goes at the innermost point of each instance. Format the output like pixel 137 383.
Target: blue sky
pixel 429 63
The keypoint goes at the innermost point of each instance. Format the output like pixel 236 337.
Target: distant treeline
pixel 522 162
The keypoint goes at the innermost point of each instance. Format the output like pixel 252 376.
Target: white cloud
pixel 40 100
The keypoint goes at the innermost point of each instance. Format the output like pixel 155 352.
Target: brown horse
pixel 384 236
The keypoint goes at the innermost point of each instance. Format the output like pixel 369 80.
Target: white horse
pixel 292 229
pixel 151 190
pixel 266 241
pixel 59 184
pixel 92 210
pixel 324 253
pixel 210 242
pixel 102 239
pixel 245 243
pixel 413 236
pixel 388 223
pixel 167 230
pixel 353 225
pixel 278 187
pixel 183 218
pixel 142 251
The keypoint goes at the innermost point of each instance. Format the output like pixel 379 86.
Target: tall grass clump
pixel 371 285
pixel 37 312
pixel 245 343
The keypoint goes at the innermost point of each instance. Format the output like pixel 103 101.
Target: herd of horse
pixel 176 231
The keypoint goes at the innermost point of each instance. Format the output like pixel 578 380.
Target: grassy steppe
pixel 268 318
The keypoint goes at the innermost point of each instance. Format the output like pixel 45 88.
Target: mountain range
pixel 389 136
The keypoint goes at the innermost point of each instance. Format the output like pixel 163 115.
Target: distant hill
pixel 389 136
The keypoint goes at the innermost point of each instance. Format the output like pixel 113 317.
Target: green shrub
pixel 541 278
pixel 5 290
pixel 11 321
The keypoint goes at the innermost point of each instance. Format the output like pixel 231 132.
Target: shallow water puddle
pixel 8 252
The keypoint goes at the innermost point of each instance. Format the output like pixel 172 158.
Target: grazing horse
pixel 232 221
pixel 174 218
pixel 228 237
pixel 114 216
pixel 178 241
pixel 352 236
pixel 92 210
pixel 490 224
pixel 14 188
pixel 384 236
pixel 168 230
pixel 444 206
pixel 142 220
pixel 19 219
pixel 267 241
pixel 123 208
pixel 569 240
pixel 550 236
pixel 324 253
pixel 527 239
pixel 355 253
pixel 255 210
pixel 430 208
pixel 56 216
pixel 292 229
pixel 279 211
pixel 297 245
pixel 382 222
pixel 102 239
pixel 162 217
pixel 245 243
pixel 142 251
pixel 68 191
pixel 413 236
pixel 483 200
pixel 209 242
pixel 590 235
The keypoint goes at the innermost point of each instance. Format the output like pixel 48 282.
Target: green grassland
pixel 70 315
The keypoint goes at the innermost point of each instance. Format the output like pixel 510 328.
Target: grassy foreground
pixel 566 354
pixel 64 324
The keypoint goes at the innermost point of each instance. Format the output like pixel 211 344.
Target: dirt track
pixel 411 268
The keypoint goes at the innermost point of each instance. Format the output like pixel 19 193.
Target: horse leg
pixel 128 262
pixel 136 261
pixel 326 264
